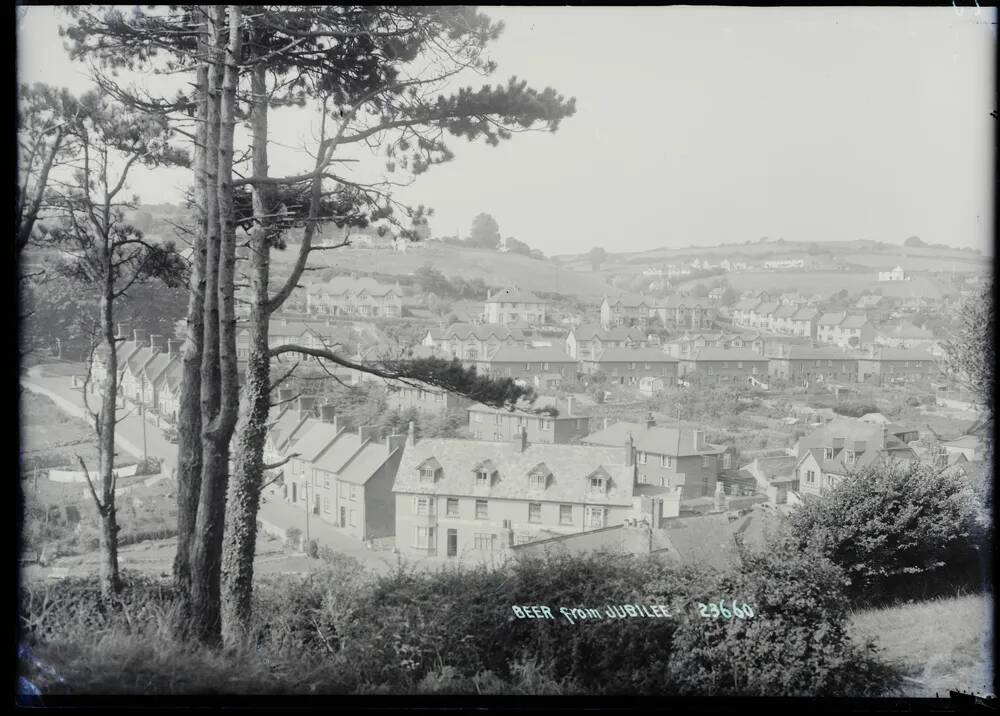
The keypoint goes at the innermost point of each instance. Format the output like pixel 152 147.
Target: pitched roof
pixel 139 359
pixel 365 463
pixel 341 285
pixel 683 302
pixel 720 354
pixel 904 330
pixel 966 441
pixel 464 331
pixel 777 466
pixel 520 354
pixel 766 309
pixel 848 433
pixel 155 368
pixel 805 314
pixel 515 295
pixel 309 437
pixel 746 304
pixel 785 312
pixel 634 355
pixel 629 300
pixel 703 540
pixel 904 354
pixel 831 319
pixel 590 331
pixel 173 375
pixel 338 452
pixel 571 467
pixel 854 322
pixel 797 352
pixel 656 440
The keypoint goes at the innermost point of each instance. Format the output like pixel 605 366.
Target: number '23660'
pixel 714 611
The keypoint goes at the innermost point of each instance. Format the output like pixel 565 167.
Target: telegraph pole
pixel 142 415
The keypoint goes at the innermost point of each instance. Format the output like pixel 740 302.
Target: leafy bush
pixel 293 537
pixel 796 643
pixel 888 524
pixel 854 409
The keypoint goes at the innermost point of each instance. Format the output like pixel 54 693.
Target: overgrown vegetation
pixel 346 630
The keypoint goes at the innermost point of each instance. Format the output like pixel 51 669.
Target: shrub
pixel 293 537
pixel 796 643
pixel 854 409
pixel 888 524
pixel 312 549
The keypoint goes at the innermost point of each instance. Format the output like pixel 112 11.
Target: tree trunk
pixel 243 500
pixel 109 578
pixel 207 546
pixel 189 410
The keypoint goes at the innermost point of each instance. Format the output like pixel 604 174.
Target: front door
pixel 316 505
pixel 295 492
pixel 452 543
pixel 343 517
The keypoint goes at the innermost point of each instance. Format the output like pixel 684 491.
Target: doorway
pixel 343 517
pixel 295 492
pixel 452 543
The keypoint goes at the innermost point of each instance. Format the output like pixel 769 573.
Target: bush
pixel 293 537
pixel 854 409
pixel 890 524
pixel 312 549
pixel 796 643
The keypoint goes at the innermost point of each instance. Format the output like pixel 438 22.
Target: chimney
pixel 328 414
pixel 524 438
pixel 307 407
pixel 285 394
pixel 411 436
pixel 139 336
pixel 698 438
pixel 650 420
pixel 394 442
pixel 629 451
pixel 122 330
pixel 569 405
pixel 174 348
pixel 157 343
pixel 366 433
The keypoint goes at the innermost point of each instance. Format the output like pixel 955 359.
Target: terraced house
pixel 473 498
pixel 356 297
pixel 847 331
pixel 627 366
pixel 726 365
pixel 885 365
pixel 807 364
pixel 543 368
pixel 124 349
pixel 470 342
pixel 586 341
pixel 680 312
pixel 512 305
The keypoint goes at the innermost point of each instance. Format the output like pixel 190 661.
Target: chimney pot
pixel 307 407
pixel 411 436
pixel 122 330
pixel 629 451
pixel 157 343
pixel 328 414
pixel 366 433
pixel 174 348
pixel 139 335
pixel 285 394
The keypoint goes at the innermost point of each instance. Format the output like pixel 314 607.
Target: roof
pixel 515 295
pixel 851 432
pixel 632 300
pixel 905 330
pixel 746 304
pixel 831 319
pixel 338 452
pixel 765 309
pixel 720 354
pixel 541 401
pixel 805 314
pixel 139 359
pixel 590 331
pixel 155 368
pixel 464 331
pixel 174 374
pixel 704 540
pixel 656 440
pixel 775 467
pixel 966 441
pixel 520 354
pixel 340 285
pixel 683 302
pixel 854 322
pixel 571 466
pixel 785 312
pixel 904 354
pixel 634 355
pixel 797 352
pixel 365 463
pixel 310 438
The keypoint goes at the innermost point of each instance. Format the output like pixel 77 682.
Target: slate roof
pixel 805 314
pixel 515 295
pixel 314 438
pixel 965 442
pixel 904 354
pixel 703 540
pixel 785 312
pixel 634 355
pixel 851 432
pixel 571 467
pixel 154 368
pixel 342 285
pixel 520 354
pixel 746 304
pixel 775 467
pixel 854 322
pixel 365 463
pixel 683 302
pixel 905 330
pixel 831 319
pixel 173 375
pixel 727 354
pixel 629 300
pixel 139 359
pixel 338 452
pixel 766 309
pixel 464 331
pixel 656 440
pixel 590 331
pixel 797 352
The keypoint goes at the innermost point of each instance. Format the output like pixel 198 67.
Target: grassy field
pixel 494 267
pixel 940 644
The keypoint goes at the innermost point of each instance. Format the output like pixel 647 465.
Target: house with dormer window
pixel 473 499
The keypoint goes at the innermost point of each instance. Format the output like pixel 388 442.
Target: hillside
pixel 495 268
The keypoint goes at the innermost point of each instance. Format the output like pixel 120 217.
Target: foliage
pixel 431 280
pixel 797 642
pixel 485 232
pixel 597 256
pixel 971 352
pixel 854 409
pixel 889 523
pixel 914 242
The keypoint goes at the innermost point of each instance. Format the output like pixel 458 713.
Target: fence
pixel 80 476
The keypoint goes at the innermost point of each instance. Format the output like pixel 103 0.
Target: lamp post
pixel 305 491
pixel 142 415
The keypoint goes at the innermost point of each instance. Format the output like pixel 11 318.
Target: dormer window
pixel 427 474
pixel 484 473
pixel 482 478
pixel 429 470
pixel 849 457
pixel 827 453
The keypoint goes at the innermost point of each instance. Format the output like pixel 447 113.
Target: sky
pixel 700 126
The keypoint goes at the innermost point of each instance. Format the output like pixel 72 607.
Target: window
pixel 423 537
pixel 507 524
pixel 477 417
pixel 426 474
pixel 497 417
pixel 342 490
pixel 597 484
pixel 326 504
pixel 810 476
pixel 326 480
pixel 706 461
pixel 537 481
pixel 545 366
pixel 423 505
pixel 667 461
pixel 565 514
pixel 534 512
pixel 527 366
pixel 452 507
pixel 315 474
pixel 353 518
pixel 849 457
pixel 642 457
pixel 354 492
pixel 595 516
pixel 827 453
pixel 482 541
pixel 727 461
pixel 482 509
